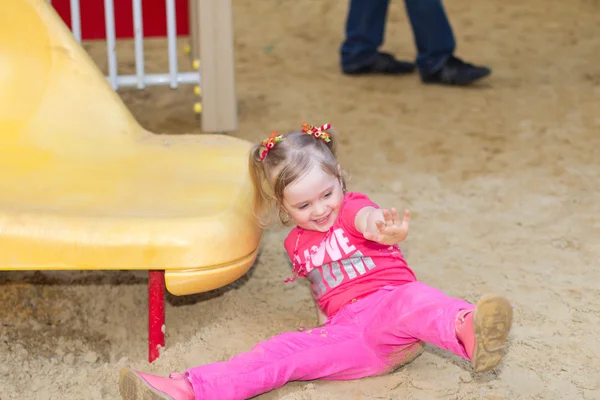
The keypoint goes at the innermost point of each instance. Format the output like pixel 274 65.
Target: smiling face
pixel 314 200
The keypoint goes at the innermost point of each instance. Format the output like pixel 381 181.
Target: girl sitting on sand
pixel 375 315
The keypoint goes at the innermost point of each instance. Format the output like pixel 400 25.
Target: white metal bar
pixel 76 19
pixel 109 15
pixel 140 79
pixel 172 42
pixel 139 42
pixel 158 79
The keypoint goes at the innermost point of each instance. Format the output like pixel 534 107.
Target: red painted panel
pixel 154 16
pixel 156 313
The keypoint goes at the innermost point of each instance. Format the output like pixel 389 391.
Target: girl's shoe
pixel 483 331
pixel 135 385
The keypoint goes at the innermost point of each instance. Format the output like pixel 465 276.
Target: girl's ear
pixel 280 205
pixel 284 216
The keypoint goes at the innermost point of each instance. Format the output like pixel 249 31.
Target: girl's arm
pixel 382 226
pixel 321 317
pixel 366 219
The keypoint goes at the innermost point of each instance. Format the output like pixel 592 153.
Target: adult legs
pixel 432 32
pixel 434 39
pixel 435 46
pixel 365 27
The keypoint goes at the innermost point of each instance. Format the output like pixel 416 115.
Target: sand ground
pixel 502 181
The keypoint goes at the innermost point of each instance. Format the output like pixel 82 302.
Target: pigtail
pixel 332 144
pixel 262 196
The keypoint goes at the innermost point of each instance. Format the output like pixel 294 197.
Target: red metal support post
pixel 156 313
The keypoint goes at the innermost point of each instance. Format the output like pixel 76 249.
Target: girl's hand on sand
pixel 391 230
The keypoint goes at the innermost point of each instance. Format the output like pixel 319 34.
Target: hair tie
pixel 319 132
pixel 269 143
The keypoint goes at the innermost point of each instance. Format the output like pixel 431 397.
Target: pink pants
pixel 369 337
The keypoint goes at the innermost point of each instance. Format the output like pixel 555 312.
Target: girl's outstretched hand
pixel 391 230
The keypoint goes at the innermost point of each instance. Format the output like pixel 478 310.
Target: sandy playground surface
pixel 502 181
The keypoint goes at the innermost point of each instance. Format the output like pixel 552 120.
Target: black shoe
pixel 456 72
pixel 383 63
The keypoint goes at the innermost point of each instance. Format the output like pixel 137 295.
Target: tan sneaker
pixel 484 331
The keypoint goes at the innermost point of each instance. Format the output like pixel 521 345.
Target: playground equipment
pixel 210 33
pixel 84 187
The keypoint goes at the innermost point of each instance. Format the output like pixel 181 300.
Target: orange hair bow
pixel 269 143
pixel 318 132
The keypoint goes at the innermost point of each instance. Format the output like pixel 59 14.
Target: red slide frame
pixel 153 17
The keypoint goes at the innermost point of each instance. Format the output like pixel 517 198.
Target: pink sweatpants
pixel 369 337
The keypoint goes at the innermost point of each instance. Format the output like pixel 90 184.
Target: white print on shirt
pixel 337 246
pixel 334 245
pixel 355 266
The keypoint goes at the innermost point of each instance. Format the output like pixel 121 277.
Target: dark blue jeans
pixel 365 28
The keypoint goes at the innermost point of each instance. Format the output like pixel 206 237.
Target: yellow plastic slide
pixel 84 186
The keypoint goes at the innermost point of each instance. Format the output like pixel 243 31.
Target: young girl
pixel 375 315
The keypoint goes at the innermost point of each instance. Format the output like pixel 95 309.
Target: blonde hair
pixel 289 160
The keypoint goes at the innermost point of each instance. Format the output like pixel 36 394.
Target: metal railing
pixel 140 79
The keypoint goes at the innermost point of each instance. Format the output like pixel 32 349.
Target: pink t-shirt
pixel 341 264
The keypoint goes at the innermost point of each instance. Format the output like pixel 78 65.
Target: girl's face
pixel 314 201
